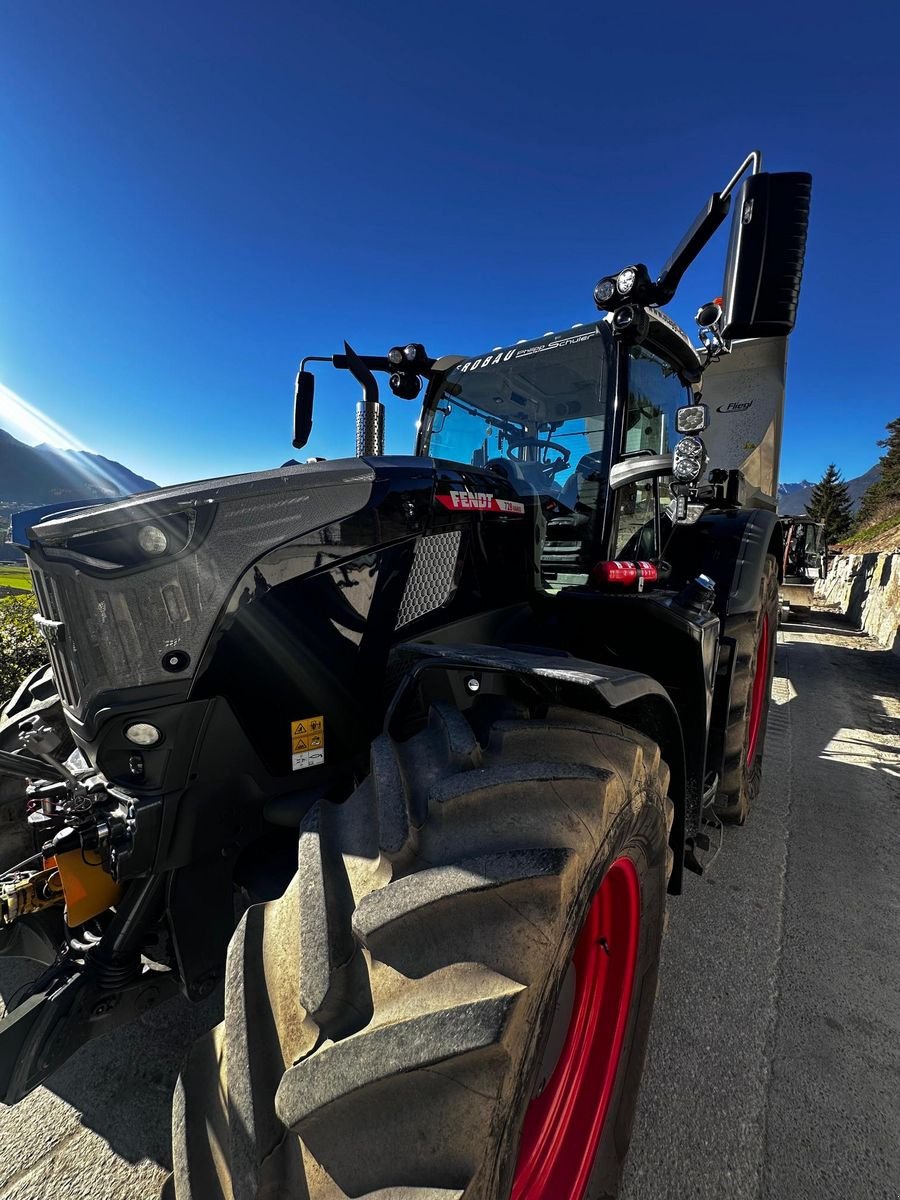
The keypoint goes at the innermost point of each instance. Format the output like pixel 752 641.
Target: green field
pixel 15 577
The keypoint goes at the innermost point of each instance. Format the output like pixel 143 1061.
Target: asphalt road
pixel 774 1064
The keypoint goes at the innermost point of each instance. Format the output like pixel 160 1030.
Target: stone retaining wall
pixel 867 588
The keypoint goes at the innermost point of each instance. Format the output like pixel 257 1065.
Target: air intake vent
pixel 432 577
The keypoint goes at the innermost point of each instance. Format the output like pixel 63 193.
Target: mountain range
pixel 794 497
pixel 34 475
pixel 42 474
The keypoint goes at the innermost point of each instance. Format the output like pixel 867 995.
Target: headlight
pixel 693 418
pixel 625 280
pixel 625 316
pixel 135 543
pixel 604 291
pixel 689 460
pixel 142 734
pixel 152 540
pixel 395 356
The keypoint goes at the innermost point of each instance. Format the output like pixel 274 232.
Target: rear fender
pixel 733 546
pixel 730 546
pixel 461 673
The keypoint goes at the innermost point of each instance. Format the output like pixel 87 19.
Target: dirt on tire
pixel 384 1019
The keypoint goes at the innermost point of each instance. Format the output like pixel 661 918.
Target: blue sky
pixel 192 196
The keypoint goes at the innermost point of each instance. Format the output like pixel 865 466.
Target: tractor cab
pixel 535 412
pixel 552 418
pixel 599 428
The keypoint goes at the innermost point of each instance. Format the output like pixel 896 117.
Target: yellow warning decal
pixel 307 743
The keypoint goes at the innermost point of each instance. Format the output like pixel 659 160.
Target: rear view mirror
pixel 765 255
pixel 303 407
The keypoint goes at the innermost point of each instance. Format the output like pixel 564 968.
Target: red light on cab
pixel 623 573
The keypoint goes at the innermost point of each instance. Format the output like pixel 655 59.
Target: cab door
pixel 641 523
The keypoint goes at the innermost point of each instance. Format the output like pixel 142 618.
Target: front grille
pixel 432 577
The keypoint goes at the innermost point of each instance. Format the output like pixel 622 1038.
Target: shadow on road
pixel 119 1086
pixel 775 1046
pixel 866 685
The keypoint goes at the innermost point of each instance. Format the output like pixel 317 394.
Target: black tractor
pixel 408 751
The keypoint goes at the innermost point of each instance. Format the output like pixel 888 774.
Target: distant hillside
pixel 34 475
pixel 794 497
pixel 788 489
pixel 42 474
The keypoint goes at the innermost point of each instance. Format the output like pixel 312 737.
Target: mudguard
pixel 730 546
pixel 464 671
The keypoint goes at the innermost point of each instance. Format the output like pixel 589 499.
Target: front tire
pixel 400 1015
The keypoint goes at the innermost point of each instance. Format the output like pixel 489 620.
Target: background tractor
pixel 804 561
pixel 410 750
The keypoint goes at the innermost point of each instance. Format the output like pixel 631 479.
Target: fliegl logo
pixel 734 406
pixel 480 502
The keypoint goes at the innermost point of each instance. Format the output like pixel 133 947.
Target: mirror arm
pixel 707 222
pixel 371 362
pixel 754 158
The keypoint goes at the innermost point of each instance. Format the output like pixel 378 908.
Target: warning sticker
pixel 307 743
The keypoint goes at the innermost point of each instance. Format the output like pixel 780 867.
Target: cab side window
pixel 654 393
pixel 635 510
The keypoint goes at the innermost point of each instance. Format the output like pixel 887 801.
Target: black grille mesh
pixel 431 578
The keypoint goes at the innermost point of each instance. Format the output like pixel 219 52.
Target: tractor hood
pixel 129 592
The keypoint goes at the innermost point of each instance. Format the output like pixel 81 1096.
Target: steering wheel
pixel 548 468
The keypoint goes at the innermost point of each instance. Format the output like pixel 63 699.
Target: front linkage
pixel 54 908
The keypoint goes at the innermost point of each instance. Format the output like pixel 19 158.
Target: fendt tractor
pixel 803 563
pixel 496 692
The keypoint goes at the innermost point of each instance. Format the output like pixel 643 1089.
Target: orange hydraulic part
pixel 88 889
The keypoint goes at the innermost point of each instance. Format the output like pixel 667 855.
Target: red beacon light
pixel 625 573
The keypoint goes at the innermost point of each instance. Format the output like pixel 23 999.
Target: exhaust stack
pixel 369 410
pixel 369 428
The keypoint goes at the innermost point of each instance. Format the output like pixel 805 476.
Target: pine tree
pixel 882 499
pixel 830 503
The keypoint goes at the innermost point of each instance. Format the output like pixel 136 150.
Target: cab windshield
pixel 535 412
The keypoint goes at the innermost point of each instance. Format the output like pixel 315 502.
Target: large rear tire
pixel 755 636
pixel 453 996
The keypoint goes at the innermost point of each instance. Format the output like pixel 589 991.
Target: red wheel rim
pixel 758 697
pixel 564 1122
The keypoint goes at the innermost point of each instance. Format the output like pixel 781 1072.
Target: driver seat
pixel 583 485
pixel 527 478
